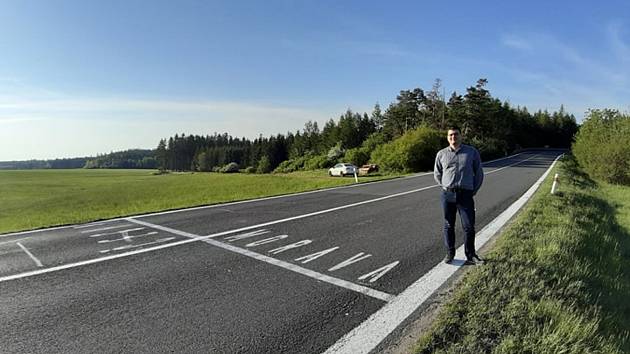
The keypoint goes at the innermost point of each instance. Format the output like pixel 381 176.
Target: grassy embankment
pixel 39 198
pixel 557 281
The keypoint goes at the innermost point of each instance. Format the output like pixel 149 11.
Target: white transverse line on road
pixel 286 265
pixel 368 335
pixel 105 228
pixel 128 238
pixel 118 232
pixel 200 238
pixel 39 264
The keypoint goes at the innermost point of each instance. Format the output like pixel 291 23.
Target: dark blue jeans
pixel 465 204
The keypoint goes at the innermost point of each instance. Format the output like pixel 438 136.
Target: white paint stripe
pixel 162 240
pixel 504 167
pixel 233 203
pixel 105 228
pixel 39 264
pixel 290 266
pixel 13 241
pixel 377 273
pixel 117 232
pixel 314 256
pixel 128 238
pixel 356 258
pixel 195 238
pixel 369 334
pixel 267 240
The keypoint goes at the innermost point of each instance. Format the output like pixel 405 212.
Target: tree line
pixel 75 162
pixel 496 128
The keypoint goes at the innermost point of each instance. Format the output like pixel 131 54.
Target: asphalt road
pixel 289 274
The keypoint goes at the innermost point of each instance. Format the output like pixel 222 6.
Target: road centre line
pixel 369 334
pixel 194 238
pixel 39 264
pixel 96 223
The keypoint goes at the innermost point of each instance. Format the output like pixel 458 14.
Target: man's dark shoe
pixel 469 261
pixel 476 257
pixel 449 258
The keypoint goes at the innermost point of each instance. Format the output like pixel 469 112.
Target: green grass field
pixel 557 281
pixel 31 199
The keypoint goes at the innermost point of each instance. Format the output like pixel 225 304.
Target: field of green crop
pixel 31 199
pixel 557 281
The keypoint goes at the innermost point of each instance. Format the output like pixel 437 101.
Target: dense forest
pixel 494 127
pixel 122 159
pixel 76 162
pixel 136 158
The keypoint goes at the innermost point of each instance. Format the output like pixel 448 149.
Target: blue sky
pixel 79 78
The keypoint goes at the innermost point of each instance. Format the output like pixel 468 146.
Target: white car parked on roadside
pixel 342 169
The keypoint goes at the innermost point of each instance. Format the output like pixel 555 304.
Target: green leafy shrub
pixel 489 148
pixel 373 141
pixel 264 165
pixel 413 151
pixel 232 167
pixel 250 169
pixel 601 146
pixel 317 162
pixel 357 156
pixel 335 152
pixel 292 165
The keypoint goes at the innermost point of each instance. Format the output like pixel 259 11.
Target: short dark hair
pixel 453 127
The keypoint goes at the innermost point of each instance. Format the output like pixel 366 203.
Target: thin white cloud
pixel 516 43
pixel 578 79
pixel 616 32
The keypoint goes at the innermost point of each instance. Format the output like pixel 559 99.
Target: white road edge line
pixel 194 238
pixel 39 264
pixel 77 226
pixel 286 265
pixel 369 334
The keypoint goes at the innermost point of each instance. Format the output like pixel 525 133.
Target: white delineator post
pixel 356 179
pixel 555 184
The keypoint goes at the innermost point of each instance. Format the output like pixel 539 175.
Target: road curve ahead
pixel 290 274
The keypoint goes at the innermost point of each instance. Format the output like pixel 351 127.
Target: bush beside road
pixel 557 280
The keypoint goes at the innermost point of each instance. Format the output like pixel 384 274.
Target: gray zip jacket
pixel 459 168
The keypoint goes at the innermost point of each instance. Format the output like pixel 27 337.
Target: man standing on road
pixel 458 171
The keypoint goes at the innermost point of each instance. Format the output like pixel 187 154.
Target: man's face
pixel 454 137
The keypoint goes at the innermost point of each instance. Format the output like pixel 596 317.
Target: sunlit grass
pixel 32 199
pixel 557 281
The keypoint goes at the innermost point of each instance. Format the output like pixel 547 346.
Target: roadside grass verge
pixel 557 280
pixel 31 199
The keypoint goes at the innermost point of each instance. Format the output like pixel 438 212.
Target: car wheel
pixel 330 173
pixel 340 173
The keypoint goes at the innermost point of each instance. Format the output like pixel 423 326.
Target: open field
pixel 557 281
pixel 33 199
